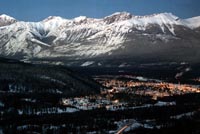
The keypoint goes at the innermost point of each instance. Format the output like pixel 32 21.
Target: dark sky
pixel 36 10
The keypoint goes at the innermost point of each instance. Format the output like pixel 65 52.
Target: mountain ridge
pixel 5 16
pixel 119 34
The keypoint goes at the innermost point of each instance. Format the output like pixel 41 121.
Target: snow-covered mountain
pixel 121 35
pixel 6 20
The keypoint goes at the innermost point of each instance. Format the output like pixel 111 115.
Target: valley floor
pixel 128 104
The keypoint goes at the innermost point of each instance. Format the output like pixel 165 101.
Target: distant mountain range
pixel 120 39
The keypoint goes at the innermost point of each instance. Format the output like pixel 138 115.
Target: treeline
pixel 186 125
pixel 102 121
pixel 21 77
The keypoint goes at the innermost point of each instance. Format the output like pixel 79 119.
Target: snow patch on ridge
pixel 193 22
pixel 80 18
pixel 87 63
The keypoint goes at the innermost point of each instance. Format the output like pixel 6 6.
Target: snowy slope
pixel 83 37
pixel 6 20
pixel 193 22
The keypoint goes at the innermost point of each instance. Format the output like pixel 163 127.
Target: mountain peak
pixel 54 22
pixel 164 15
pixel 168 15
pixel 6 17
pixel 193 22
pixel 6 20
pixel 55 18
pixel 80 18
pixel 118 16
